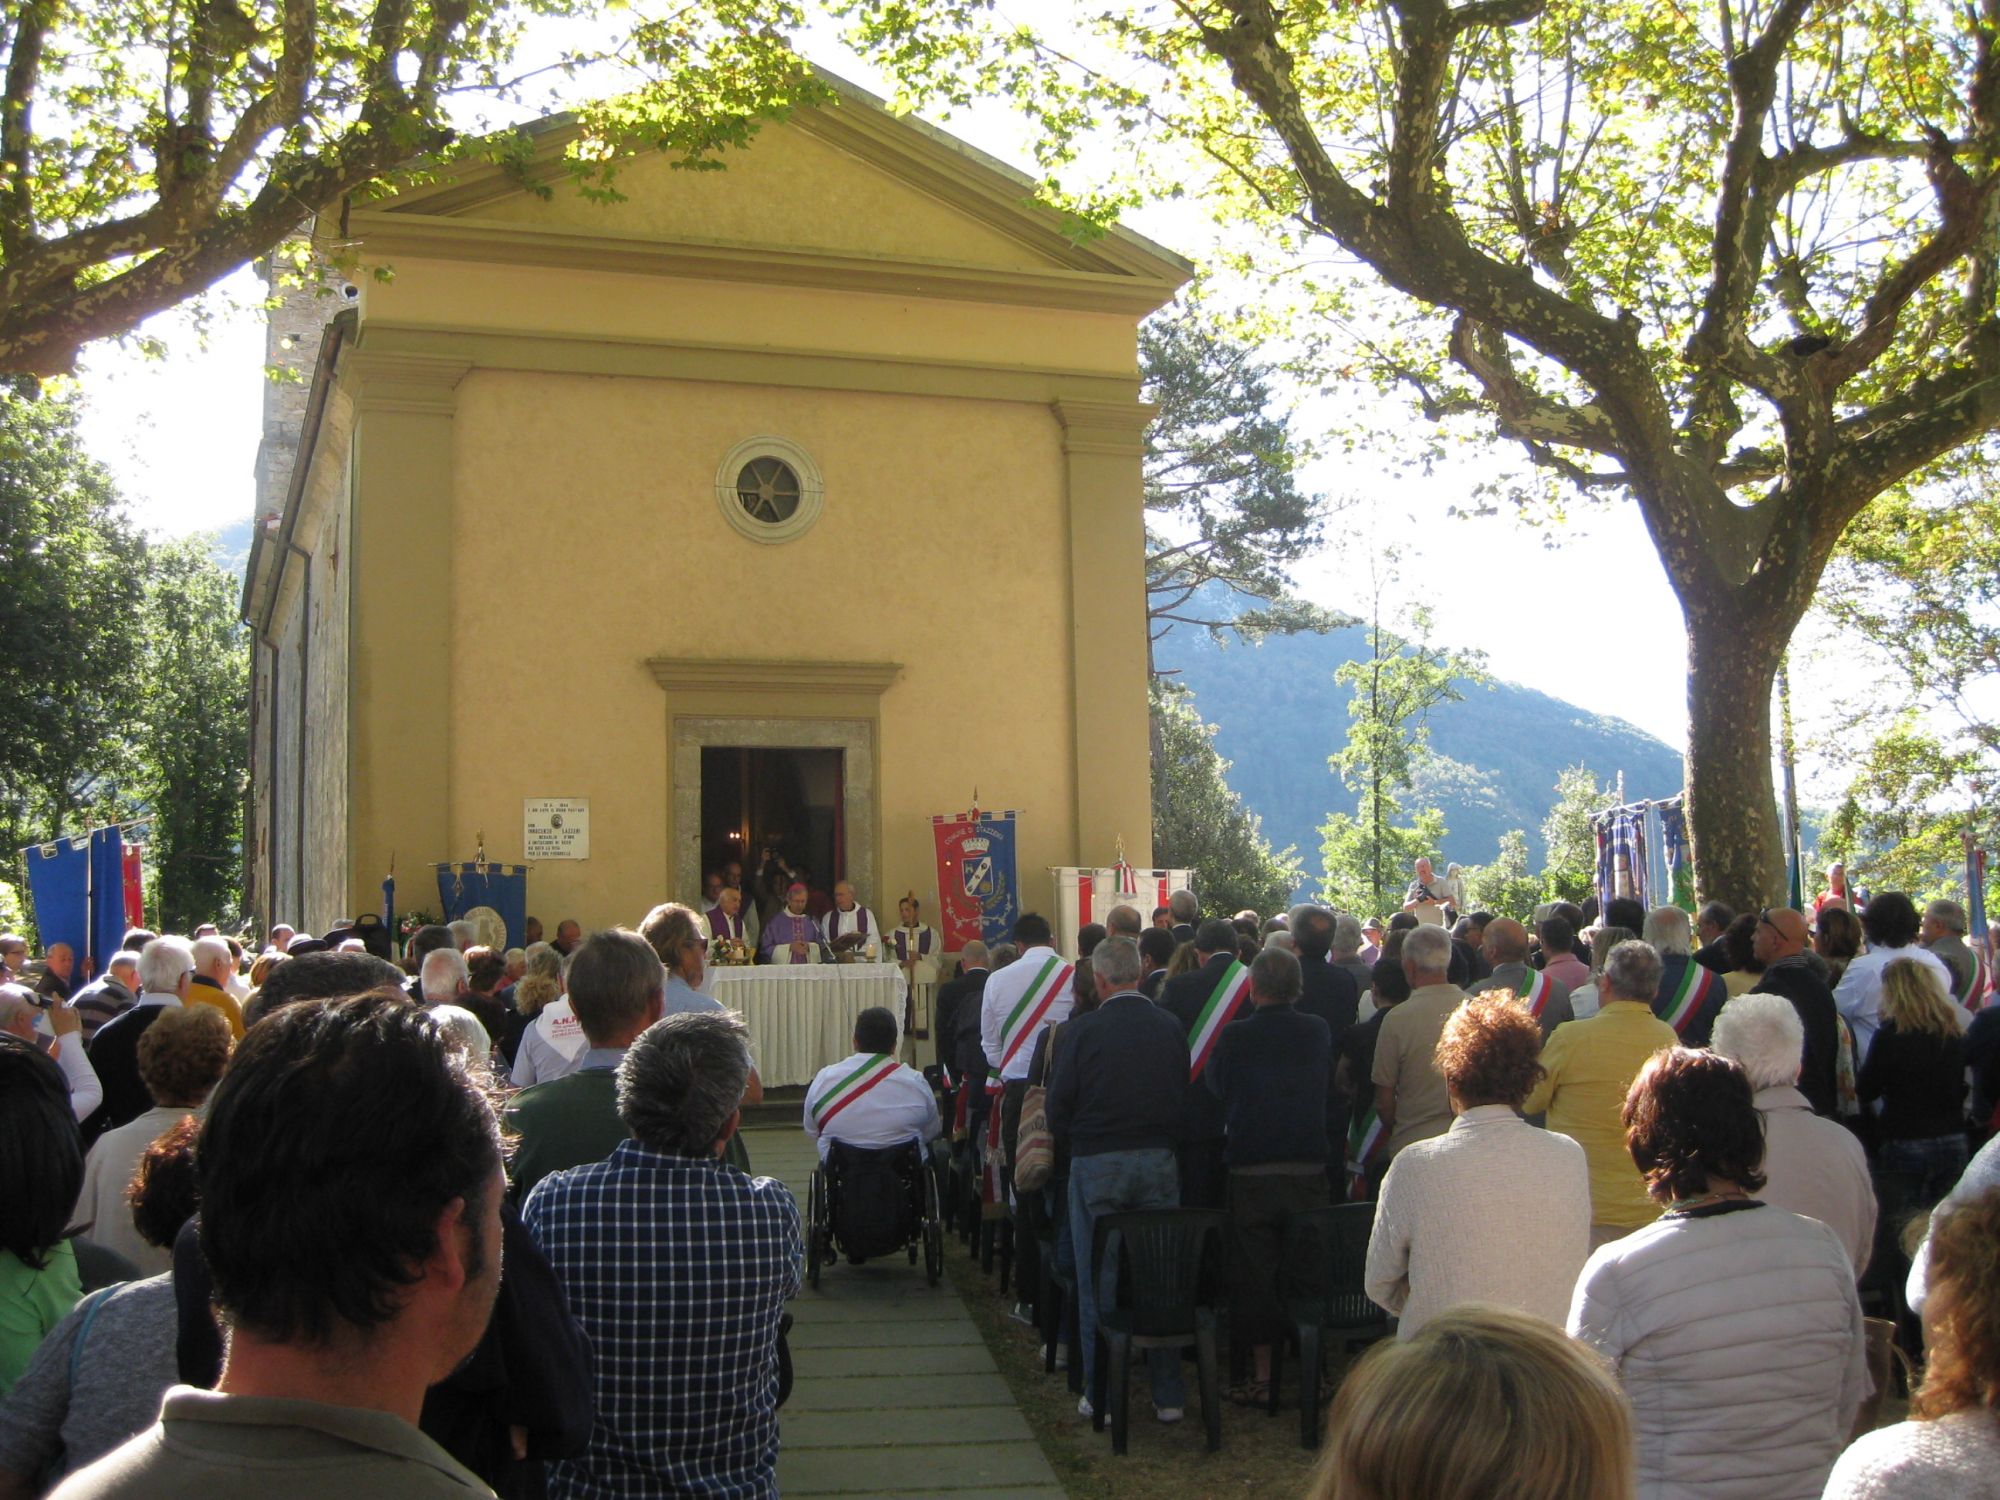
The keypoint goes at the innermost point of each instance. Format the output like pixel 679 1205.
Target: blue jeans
pixel 1107 1184
pixel 1926 1168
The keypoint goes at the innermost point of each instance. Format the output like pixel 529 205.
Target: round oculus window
pixel 769 489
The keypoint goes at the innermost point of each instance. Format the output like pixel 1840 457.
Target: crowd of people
pixel 1701 1145
pixel 294 1216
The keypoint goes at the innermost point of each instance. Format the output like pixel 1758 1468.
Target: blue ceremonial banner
pixel 979 894
pixel 59 886
pixel 502 887
pixel 107 896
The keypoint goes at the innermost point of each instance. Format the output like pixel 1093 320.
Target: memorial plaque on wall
pixel 556 828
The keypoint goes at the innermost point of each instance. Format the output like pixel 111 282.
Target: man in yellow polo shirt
pixel 1589 1067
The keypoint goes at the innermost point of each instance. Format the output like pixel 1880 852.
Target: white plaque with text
pixel 557 828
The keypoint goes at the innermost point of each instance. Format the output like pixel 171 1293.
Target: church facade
pixel 834 450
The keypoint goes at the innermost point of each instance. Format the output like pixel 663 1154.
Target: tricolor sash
pixel 1535 991
pixel 1976 993
pixel 1231 991
pixel 1365 1139
pixel 1028 1012
pixel 992 1185
pixel 1688 996
pixel 852 1087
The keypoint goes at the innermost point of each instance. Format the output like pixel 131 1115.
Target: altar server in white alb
pixel 850 925
pixel 870 1099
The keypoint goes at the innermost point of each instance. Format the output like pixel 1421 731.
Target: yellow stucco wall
pixel 587 539
pixel 626 308
pixel 536 457
pixel 788 188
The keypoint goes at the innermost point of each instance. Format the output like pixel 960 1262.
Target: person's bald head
pixel 1506 941
pixel 1781 933
pixel 974 955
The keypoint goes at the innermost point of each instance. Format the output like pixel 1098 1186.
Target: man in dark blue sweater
pixel 1270 1071
pixel 1116 1094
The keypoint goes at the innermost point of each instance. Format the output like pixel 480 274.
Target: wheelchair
pixel 867 1203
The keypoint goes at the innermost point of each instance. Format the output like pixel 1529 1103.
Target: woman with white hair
pixel 1811 1166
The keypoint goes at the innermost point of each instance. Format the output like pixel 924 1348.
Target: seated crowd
pixel 307 1221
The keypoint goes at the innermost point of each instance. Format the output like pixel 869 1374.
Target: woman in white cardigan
pixel 1493 1210
pixel 1952 1450
pixel 1733 1324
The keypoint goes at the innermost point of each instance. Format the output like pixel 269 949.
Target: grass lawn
pixel 1260 1455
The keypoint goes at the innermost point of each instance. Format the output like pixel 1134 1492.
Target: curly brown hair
pixel 484 969
pixel 1962 1314
pixel 1490 1051
pixel 161 1192
pixel 183 1053
pixel 1689 1118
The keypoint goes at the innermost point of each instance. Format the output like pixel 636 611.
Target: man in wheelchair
pixel 872 1119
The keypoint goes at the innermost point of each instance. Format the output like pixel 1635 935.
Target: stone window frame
pixel 812 489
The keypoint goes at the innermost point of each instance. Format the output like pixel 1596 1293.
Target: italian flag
pixel 1535 991
pixel 1688 996
pixel 852 1087
pixel 1223 1007
pixel 1365 1139
pixel 1053 979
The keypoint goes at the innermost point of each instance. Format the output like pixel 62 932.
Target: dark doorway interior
pixel 788 799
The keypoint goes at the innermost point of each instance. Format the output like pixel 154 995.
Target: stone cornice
pixel 688 673
pixel 711 363
pixel 1113 427
pixel 393 380
pixel 385 235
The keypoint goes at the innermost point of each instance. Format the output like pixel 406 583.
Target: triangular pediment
pixel 842 182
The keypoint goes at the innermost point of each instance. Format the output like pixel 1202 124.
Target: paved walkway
pixel 895 1393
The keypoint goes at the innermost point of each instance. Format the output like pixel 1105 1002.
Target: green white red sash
pixel 852 1087
pixel 1365 1139
pixel 1689 996
pixel 1029 1010
pixel 1231 991
pixel 1536 990
pixel 1972 994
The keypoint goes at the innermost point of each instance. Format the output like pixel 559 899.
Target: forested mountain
pixel 1279 715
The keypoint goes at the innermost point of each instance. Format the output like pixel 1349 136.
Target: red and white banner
pixel 1085 894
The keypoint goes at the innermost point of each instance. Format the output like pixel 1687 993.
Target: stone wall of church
pixel 294 325
pixel 329 499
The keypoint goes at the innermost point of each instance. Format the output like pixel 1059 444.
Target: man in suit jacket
pixel 951 998
pixel 1185 909
pixel 1156 951
pixel 1204 1178
pixel 1780 945
pixel 1506 948
pixel 1327 990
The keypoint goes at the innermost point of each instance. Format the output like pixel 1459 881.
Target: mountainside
pixel 1279 715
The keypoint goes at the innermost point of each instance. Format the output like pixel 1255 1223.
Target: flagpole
pixel 1794 845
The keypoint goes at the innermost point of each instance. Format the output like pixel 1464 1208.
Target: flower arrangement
pixel 728 953
pixel 409 922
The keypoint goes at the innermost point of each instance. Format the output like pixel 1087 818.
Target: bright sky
pixel 1585 614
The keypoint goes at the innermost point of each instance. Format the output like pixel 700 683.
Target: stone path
pixel 895 1393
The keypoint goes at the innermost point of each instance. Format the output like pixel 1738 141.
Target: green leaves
pixel 123 669
pixel 149 148
pixel 1225 516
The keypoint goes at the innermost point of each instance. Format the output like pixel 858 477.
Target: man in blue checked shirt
pixel 678 1266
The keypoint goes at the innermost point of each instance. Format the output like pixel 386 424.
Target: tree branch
pixel 1720 345
pixel 24 69
pixel 1963 207
pixel 1524 414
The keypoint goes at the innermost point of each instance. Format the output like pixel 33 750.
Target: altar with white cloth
pixel 801 1016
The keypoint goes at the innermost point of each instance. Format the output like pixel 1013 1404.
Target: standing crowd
pixel 1647 1199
